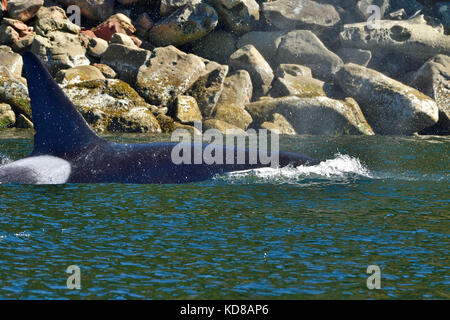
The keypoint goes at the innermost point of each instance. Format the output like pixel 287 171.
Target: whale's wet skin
pixel 305 232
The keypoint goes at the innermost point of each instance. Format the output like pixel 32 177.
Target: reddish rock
pixel 13 31
pixel 118 23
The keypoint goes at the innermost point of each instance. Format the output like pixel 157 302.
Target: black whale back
pixel 60 128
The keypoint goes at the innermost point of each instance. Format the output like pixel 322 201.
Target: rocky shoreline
pixel 289 66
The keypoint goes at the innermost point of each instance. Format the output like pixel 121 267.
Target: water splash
pixel 340 168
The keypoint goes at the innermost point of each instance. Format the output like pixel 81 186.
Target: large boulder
pixel 389 106
pixel 23 10
pixel 433 79
pixel 234 114
pixel 60 50
pixel 266 42
pixel 112 105
pixel 7 117
pixel 414 39
pixel 11 61
pixel 239 16
pixel 98 10
pixel 318 116
pixel 217 45
pixel 279 125
pixel 297 85
pixel 237 89
pixel 168 73
pixel 125 61
pixel 353 55
pixel 79 74
pixel 208 87
pixel 249 59
pixel 300 14
pixel 305 48
pixel 159 76
pixel 58 44
pixel 185 25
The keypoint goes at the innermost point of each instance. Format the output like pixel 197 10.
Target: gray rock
pixel 185 25
pixel 121 38
pixel 279 125
pixel 433 79
pixel 98 10
pixel 107 71
pixel 125 61
pixel 217 45
pixel 11 61
pixel 389 106
pixel 60 50
pixel 23 10
pixel 239 16
pixel 266 42
pixel 237 89
pixel 305 48
pixel 293 70
pixel 300 14
pixel 300 86
pixel 318 116
pixel 168 73
pixel 208 88
pixel 79 74
pixel 356 56
pixel 97 47
pixel 414 39
pixel 248 58
pixel 444 11
pixel 168 6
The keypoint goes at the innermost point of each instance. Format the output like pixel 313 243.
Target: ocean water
pixel 293 233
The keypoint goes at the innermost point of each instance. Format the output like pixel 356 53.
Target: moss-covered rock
pixel 112 105
pixel 234 114
pixel 79 74
pixel 7 116
pixel 319 115
pixel 388 105
pixel 14 92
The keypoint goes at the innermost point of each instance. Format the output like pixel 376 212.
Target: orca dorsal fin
pixel 60 128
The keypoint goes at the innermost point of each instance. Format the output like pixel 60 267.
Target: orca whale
pixel 67 150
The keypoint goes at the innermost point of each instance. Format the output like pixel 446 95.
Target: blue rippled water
pixel 295 233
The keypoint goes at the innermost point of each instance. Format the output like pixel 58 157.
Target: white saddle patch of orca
pixel 45 169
